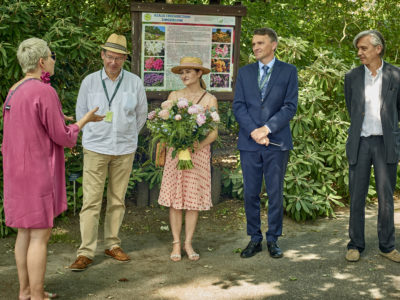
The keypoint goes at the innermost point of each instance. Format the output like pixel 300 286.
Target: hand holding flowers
pixel 182 125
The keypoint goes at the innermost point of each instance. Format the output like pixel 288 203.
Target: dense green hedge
pixel 315 36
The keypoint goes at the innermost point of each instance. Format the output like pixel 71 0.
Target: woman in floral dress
pixel 188 190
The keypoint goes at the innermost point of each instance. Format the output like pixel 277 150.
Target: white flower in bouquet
pixel 215 116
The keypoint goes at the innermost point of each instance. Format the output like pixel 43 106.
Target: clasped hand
pixel 260 135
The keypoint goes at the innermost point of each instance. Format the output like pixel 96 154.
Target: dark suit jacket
pixel 276 110
pixel 354 88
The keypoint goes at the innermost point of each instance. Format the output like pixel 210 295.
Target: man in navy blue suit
pixel 265 101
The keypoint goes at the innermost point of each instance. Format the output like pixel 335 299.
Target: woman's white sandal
pixel 192 256
pixel 175 257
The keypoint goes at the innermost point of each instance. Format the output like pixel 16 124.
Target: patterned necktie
pixel 263 82
pixel 260 83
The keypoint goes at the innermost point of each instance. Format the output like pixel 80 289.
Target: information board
pixel 168 37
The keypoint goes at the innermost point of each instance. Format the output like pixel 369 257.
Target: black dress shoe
pixel 274 250
pixel 252 249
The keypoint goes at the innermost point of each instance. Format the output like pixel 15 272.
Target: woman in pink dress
pixel 188 190
pixel 34 137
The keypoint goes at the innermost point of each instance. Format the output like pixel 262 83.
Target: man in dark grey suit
pixel 372 93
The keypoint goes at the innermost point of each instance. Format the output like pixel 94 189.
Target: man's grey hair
pixel 376 39
pixel 267 31
pixel 30 51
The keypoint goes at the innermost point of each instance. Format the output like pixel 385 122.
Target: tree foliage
pixel 316 36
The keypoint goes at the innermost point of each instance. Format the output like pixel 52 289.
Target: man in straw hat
pixel 265 101
pixel 109 148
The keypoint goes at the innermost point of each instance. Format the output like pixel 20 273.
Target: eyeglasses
pixel 113 58
pixel 53 55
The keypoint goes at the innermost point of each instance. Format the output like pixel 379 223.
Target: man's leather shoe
pixel 117 253
pixel 81 263
pixel 274 250
pixel 252 249
pixel 393 255
pixel 353 255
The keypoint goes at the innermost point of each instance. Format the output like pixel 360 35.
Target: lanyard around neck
pixel 268 75
pixel 105 89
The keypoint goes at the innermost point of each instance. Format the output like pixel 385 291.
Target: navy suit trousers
pixel 272 165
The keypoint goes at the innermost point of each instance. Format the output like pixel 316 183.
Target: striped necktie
pixel 263 82
pixel 265 69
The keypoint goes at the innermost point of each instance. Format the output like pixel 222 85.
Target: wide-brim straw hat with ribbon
pixel 190 63
pixel 116 43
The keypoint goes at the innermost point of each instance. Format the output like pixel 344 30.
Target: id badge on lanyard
pixel 109 114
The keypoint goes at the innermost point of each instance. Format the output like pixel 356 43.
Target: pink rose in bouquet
pixel 193 110
pixel 166 104
pixel 151 115
pixel 182 103
pixel 178 117
pixel 201 119
pixel 164 114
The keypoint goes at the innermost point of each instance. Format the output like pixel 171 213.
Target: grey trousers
pixel 372 152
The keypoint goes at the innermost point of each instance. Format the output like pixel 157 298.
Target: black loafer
pixel 274 250
pixel 252 249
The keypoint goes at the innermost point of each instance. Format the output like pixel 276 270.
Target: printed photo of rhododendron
pixel 154 64
pixel 219 80
pixel 154 33
pixel 154 48
pixel 220 65
pixel 221 35
pixel 220 51
pixel 153 79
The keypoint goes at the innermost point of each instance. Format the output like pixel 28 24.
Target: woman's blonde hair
pixel 30 51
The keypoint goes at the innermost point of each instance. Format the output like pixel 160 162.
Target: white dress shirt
pixel 372 124
pixel 129 108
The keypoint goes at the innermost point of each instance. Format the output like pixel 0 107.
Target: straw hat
pixel 190 63
pixel 116 43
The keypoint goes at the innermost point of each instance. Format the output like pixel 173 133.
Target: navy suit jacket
pixel 276 109
pixel 354 89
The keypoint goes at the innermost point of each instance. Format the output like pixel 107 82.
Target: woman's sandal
pixel 175 257
pixel 47 295
pixel 50 295
pixel 192 256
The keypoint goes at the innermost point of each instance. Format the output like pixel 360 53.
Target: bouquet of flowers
pixel 180 124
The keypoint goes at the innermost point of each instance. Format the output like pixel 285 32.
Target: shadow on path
pixel 313 266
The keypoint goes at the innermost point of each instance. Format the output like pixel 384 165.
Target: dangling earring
pixel 45 77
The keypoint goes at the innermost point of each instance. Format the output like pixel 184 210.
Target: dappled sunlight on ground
pixel 213 288
pixel 297 256
pixel 313 265
pixel 375 293
pixel 326 287
pixel 346 276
